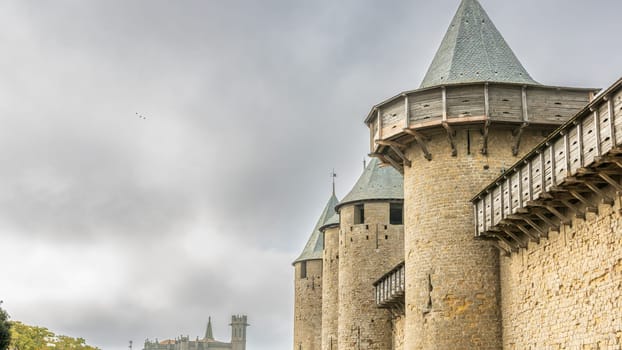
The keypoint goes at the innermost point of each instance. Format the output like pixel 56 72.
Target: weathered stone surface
pixel 366 252
pixel 330 296
pixel 308 305
pixel 566 292
pixel 452 280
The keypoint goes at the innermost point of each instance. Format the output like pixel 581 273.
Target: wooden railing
pixel 390 289
pixel 574 170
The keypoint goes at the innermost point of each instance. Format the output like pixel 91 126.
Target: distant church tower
pixel 308 286
pixel 371 242
pixel 238 332
pixel 476 112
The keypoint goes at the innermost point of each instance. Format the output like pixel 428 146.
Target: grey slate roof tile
pixel 473 50
pixel 313 250
pixel 376 182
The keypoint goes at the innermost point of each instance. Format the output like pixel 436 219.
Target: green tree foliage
pixel 25 337
pixel 5 329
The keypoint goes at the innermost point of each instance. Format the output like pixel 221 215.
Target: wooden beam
pixel 525 114
pixel 609 159
pixel 611 181
pixel 563 219
pixel 503 250
pixel 444 101
pixel 612 126
pixel 395 164
pixel 422 140
pixel 391 143
pixel 521 243
pixel 402 156
pixel 589 205
pixel 450 137
pixel 578 212
pixel 486 102
pixel 605 197
pixel 528 234
pixel 543 232
pixel 551 223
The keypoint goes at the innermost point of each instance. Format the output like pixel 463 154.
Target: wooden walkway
pixel 575 169
pixel 390 289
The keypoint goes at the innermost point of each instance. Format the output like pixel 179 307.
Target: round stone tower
pixel 308 286
pixel 475 114
pixel 370 244
pixel 330 288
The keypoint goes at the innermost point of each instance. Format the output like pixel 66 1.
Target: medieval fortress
pixel 489 217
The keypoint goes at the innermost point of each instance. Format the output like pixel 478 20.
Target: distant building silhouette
pixel 238 339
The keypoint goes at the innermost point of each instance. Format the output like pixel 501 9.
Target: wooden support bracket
pixel 388 160
pixel 518 133
pixel 605 197
pixel 521 242
pixel 611 181
pixel 451 133
pixel 578 211
pixel 396 147
pixel 589 205
pixel 553 226
pixel 422 140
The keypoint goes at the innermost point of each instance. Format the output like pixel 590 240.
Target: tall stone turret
pixel 370 244
pixel 238 332
pixel 476 112
pixel 330 287
pixel 308 286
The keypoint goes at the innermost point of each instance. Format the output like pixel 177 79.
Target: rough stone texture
pixel 398 333
pixel 452 280
pixel 330 296
pixel 308 306
pixel 566 292
pixel 366 252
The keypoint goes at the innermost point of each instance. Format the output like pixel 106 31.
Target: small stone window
pixel 359 214
pixel 303 269
pixel 396 213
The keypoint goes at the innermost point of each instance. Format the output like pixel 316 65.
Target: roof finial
pixel 364 163
pixel 333 175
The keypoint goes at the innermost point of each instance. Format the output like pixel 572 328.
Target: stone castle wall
pixel 452 280
pixel 566 292
pixel 398 333
pixel 330 296
pixel 366 252
pixel 308 306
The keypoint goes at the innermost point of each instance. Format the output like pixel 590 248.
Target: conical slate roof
pixel 376 182
pixel 315 244
pixel 333 221
pixel 473 50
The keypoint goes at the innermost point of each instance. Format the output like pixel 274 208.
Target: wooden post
pixel 524 104
pixel 597 131
pixel 444 98
pixel 612 125
pixel 486 102
pixel 379 124
pixel 406 111
pixel 580 143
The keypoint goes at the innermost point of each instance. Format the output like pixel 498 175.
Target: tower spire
pixel 473 50
pixel 209 335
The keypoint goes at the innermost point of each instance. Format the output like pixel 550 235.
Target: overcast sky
pixel 116 227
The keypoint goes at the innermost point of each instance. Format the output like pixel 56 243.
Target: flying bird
pixel 140 116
